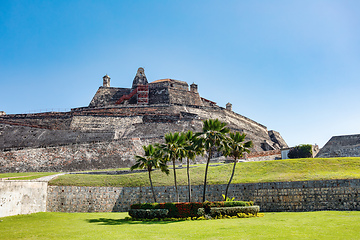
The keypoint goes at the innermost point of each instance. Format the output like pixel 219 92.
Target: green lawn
pixel 306 225
pixel 25 175
pixel 247 172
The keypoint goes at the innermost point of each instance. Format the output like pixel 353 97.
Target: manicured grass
pixel 306 225
pixel 247 172
pixel 25 175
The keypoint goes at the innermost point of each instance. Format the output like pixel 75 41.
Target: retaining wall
pixel 271 197
pixel 22 197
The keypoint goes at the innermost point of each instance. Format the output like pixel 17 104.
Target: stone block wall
pixel 77 157
pixel 341 146
pixel 271 197
pixel 263 156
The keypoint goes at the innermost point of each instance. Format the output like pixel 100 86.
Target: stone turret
pixel 106 81
pixel 140 78
pixel 229 106
pixel 193 88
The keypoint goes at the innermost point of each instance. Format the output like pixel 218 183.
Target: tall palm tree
pixel 150 160
pixel 172 150
pixel 192 149
pixel 212 137
pixel 235 147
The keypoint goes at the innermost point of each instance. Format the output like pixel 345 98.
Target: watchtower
pixel 106 81
pixel 140 78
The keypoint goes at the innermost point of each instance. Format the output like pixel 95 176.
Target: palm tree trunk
pixel 232 175
pixel 206 171
pixel 188 175
pixel 176 189
pixel 151 184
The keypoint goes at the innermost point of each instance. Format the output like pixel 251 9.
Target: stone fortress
pixel 115 126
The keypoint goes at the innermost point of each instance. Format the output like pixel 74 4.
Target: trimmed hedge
pixel 229 211
pixel 148 213
pixel 188 209
pixel 176 210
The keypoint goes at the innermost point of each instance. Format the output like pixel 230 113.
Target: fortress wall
pixel 108 96
pixel 48 120
pixel 263 156
pixel 158 95
pixel 17 137
pixel 74 157
pixel 271 197
pixel 22 197
pixel 99 123
pixel 234 120
pixel 341 146
pixel 184 97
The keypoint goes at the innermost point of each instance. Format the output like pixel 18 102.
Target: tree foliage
pixel 301 151
pixel 151 159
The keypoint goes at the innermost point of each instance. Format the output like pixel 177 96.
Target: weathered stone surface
pixel 341 146
pixel 271 197
pixel 22 197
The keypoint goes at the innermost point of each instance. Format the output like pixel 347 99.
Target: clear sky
pixel 293 66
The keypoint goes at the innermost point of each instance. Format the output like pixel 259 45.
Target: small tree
pixel 212 136
pixel 150 160
pixel 235 147
pixel 301 151
pixel 172 150
pixel 192 149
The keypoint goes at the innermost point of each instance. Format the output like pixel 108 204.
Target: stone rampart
pixel 73 157
pixel 271 197
pixel 341 146
pixel 263 156
pixel 22 197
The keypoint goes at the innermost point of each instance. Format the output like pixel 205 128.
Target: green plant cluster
pixel 301 151
pixel 148 213
pixel 187 209
pixel 229 211
pixel 175 210
pixel 238 215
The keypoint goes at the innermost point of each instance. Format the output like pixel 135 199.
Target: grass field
pixel 246 172
pixel 306 225
pixel 26 175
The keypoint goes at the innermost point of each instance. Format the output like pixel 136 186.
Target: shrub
pixel 188 209
pixel 148 213
pixel 175 210
pixel 301 151
pixel 230 211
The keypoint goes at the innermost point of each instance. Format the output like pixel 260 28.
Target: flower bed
pixel 190 209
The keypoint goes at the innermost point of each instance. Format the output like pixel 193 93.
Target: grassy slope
pixel 26 175
pixel 249 172
pixel 305 225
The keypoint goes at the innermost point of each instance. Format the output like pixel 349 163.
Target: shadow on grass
pixel 111 221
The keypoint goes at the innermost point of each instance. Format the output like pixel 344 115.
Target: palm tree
pixel 150 160
pixel 192 149
pixel 172 150
pixel 212 136
pixel 235 147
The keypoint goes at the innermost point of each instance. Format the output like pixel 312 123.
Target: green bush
pixel 175 210
pixel 301 151
pixel 229 211
pixel 148 213
pixel 185 210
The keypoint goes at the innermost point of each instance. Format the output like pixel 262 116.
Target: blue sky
pixel 293 66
